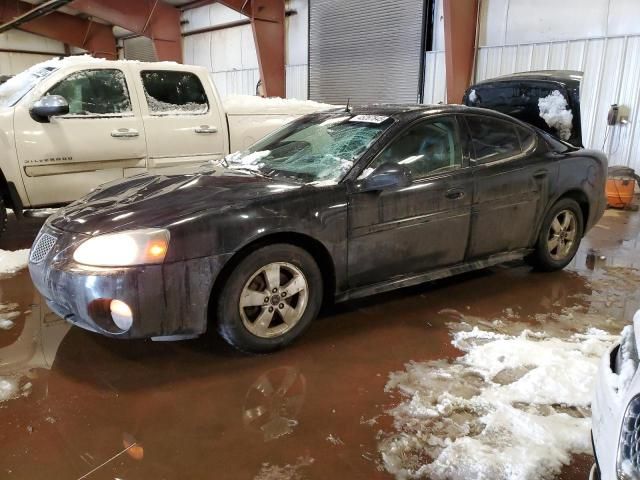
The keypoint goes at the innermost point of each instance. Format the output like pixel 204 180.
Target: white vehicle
pixel 69 125
pixel 616 410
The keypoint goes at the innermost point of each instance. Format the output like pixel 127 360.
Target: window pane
pixel 426 148
pixel 174 92
pixel 492 139
pixel 527 139
pixel 94 92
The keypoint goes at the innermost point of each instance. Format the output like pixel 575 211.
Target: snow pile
pixel 12 261
pixel 288 472
pixel 6 324
pixel 246 160
pixel 158 106
pixel 10 388
pixel 513 407
pixel 553 109
pixel 239 104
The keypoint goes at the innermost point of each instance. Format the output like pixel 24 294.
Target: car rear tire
pixel 559 237
pixel 269 299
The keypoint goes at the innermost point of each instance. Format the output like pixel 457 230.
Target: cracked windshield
pixel 319 150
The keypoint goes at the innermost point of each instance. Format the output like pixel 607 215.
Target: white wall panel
pixel 12 63
pixel 611 75
pixel 230 53
pixel 435 81
pixel 506 22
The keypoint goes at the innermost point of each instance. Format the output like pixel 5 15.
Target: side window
pixel 425 148
pixel 492 139
pixel 527 139
pixel 94 92
pixel 173 92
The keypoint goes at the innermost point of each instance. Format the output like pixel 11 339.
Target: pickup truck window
pixel 94 92
pixel 173 92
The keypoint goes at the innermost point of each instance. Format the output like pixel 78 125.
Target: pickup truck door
pixel 101 136
pixel 182 115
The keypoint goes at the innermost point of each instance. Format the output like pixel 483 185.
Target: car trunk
pixel 548 99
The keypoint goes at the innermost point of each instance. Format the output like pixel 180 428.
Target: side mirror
pixel 387 175
pixel 47 107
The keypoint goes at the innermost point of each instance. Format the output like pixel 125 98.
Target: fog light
pixel 121 314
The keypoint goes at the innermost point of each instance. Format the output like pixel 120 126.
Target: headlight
pixel 133 247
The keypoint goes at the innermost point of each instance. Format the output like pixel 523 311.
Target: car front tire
pixel 269 299
pixel 559 237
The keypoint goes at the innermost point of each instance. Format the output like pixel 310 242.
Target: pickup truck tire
pixel 3 216
pixel 269 299
pixel 559 237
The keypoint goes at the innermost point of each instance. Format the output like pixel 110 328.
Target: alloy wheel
pixel 562 235
pixel 273 300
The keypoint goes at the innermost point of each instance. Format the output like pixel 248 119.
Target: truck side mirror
pixel 47 107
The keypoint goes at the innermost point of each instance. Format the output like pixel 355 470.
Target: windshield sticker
pixel 369 118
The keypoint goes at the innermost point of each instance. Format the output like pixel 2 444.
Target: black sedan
pixel 334 206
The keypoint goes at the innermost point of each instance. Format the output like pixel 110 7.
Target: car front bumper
pixel 166 300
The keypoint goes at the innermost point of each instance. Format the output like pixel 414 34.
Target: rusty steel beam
pixel 155 19
pixel 96 38
pixel 267 21
pixel 460 21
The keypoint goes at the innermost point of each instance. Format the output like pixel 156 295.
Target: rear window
pixel 174 92
pixel 492 139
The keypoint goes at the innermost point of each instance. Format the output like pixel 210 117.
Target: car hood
pixel 159 199
pixel 547 99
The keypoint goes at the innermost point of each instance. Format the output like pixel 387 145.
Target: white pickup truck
pixel 68 125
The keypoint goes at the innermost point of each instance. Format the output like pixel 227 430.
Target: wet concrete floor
pixel 84 406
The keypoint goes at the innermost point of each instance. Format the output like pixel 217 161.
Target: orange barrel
pixel 620 192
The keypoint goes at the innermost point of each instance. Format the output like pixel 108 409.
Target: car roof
pixel 563 76
pixel 405 112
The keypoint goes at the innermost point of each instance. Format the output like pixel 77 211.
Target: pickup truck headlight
pixel 132 247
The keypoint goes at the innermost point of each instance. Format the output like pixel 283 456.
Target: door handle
pixel 454 194
pixel 541 174
pixel 125 133
pixel 206 129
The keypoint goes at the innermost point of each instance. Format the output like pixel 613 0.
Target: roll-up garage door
pixel 365 50
pixel 139 48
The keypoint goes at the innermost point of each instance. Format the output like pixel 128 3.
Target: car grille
pixel 629 446
pixel 42 247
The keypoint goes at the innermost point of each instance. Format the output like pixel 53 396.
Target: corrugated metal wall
pixel 230 55
pixel 366 51
pixel 611 67
pixel 14 62
pixel 435 82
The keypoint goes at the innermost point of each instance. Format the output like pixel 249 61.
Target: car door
pixel 425 225
pixel 511 183
pixel 182 117
pixel 65 158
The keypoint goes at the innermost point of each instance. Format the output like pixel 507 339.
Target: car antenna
pixel 347 108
